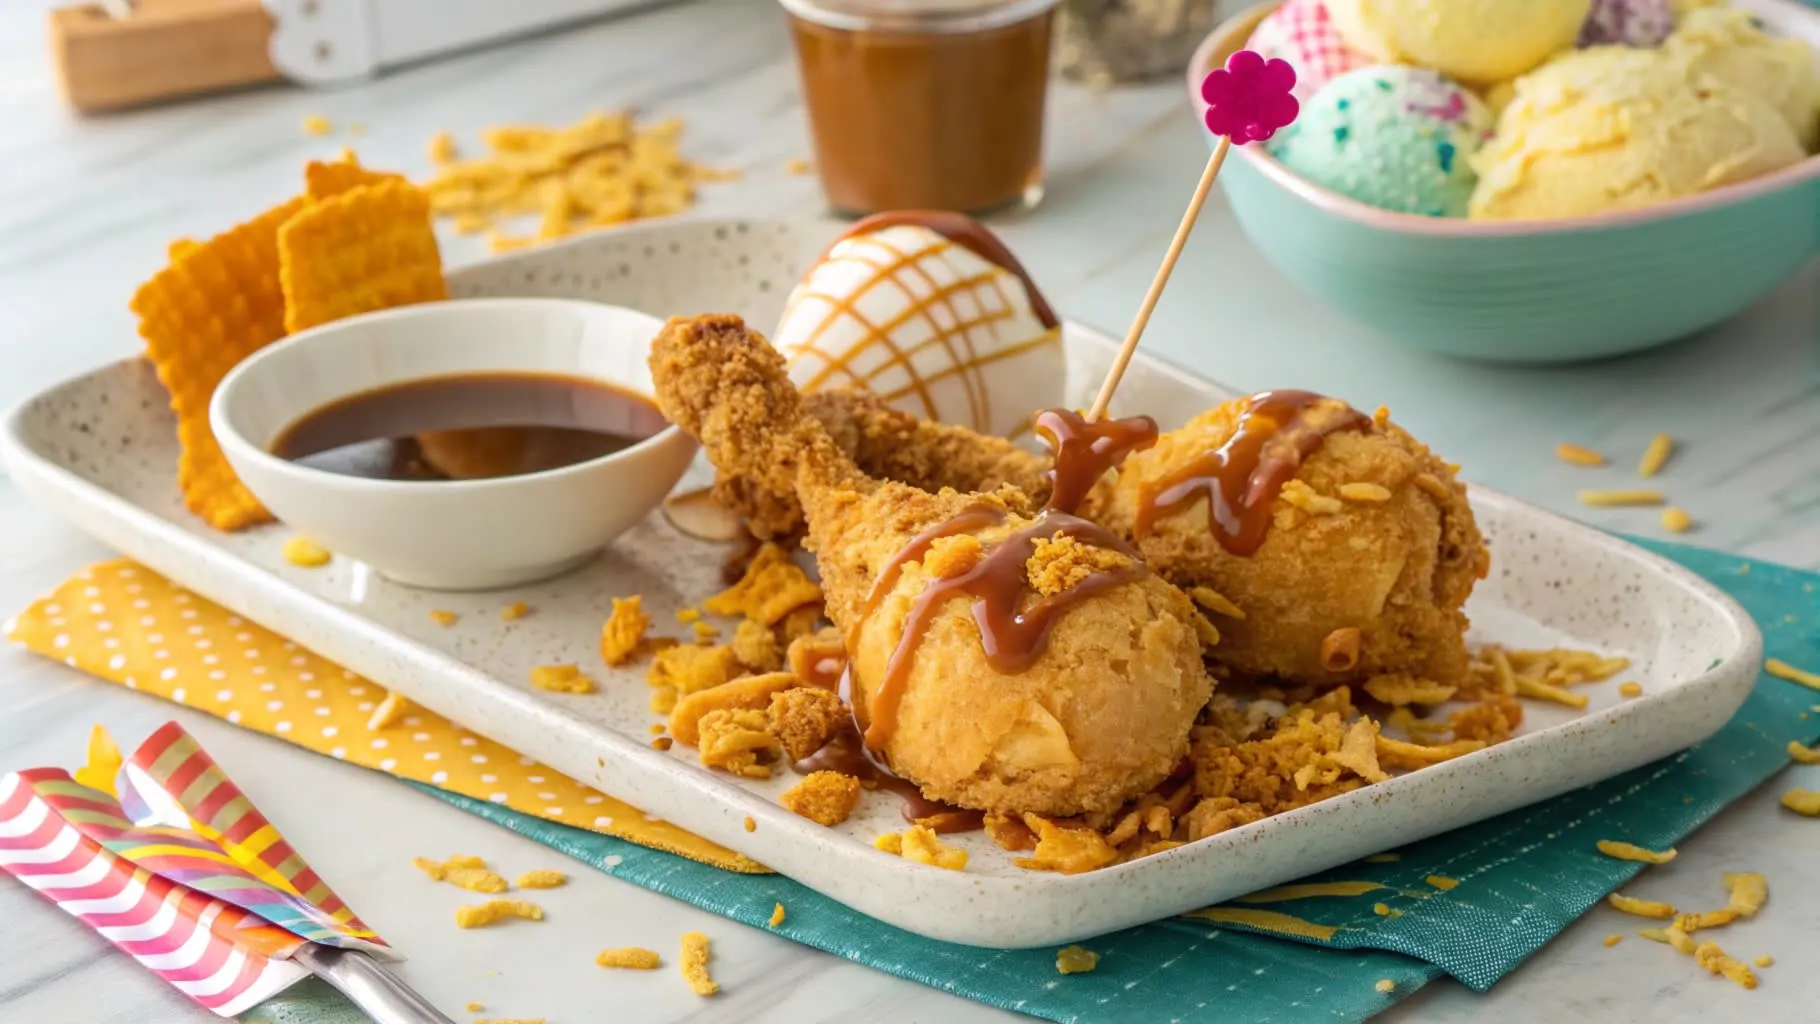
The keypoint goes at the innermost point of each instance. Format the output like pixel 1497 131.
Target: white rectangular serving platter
pixel 100 450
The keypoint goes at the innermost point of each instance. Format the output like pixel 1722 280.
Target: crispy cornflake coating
pixel 694 964
pixel 1641 908
pixel 560 679
pixel 920 844
pixel 215 304
pixel 1631 851
pixel 1068 851
pixel 494 911
pixel 805 718
pixel 772 587
pixel 1075 960
pixel 752 693
pixel 624 631
pixel 755 646
pixel 631 958
pixel 368 248
pixel 738 742
pixel 389 712
pixel 826 798
pixel 546 878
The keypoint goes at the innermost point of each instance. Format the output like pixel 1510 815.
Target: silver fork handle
pixel 367 983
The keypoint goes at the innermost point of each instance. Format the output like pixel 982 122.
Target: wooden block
pixel 165 49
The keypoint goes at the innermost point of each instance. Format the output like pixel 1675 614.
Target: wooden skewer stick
pixel 1162 278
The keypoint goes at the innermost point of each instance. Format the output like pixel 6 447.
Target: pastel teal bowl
pixel 1521 291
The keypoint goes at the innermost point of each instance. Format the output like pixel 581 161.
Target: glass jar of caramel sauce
pixel 925 104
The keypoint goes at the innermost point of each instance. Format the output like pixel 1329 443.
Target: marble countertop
pixel 90 204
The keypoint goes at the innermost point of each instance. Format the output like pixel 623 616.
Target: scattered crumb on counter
pixel 316 124
pixel 1385 910
pixel 1714 959
pixel 1578 455
pixel 474 1008
pixel 1620 499
pixel 306 553
pixel 919 843
pixel 662 743
pixel 1385 985
pixel 546 878
pixel 1801 754
pixel 694 964
pixel 463 871
pixel 561 679
pixel 515 610
pixel 688 616
pixel 1630 689
pixel 1765 961
pixel 1631 851
pixel 1803 801
pixel 1641 908
pixel 1613 939
pixel 1746 892
pixel 826 798
pixel 482 914
pixel 442 148
pixel 444 618
pixel 798 167
pixel 705 632
pixel 1656 455
pixel 624 631
pixel 750 825
pixel 1442 882
pixel 1676 520
pixel 390 712
pixel 777 912
pixel 1384 858
pixel 631 958
pixel 1783 670
pixel 1076 960
pixel 657 729
pixel 1691 923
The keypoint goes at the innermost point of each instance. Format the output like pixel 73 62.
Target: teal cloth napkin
pixel 1523 877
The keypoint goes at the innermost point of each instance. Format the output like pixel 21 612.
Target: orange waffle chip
pixel 215 304
pixel 323 180
pixel 368 248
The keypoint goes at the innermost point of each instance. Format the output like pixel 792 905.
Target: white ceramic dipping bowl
pixel 457 534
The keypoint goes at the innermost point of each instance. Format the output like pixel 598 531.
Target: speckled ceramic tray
pixel 101 450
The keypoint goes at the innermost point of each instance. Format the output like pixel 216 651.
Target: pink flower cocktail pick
pixel 1248 100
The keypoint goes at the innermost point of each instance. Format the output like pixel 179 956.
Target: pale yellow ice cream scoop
pixel 1724 44
pixel 1474 41
pixel 1613 128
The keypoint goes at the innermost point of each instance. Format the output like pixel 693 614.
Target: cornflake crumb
pixel 1442 882
pixel 463 871
pixel 1714 959
pixel 920 844
pixel 826 798
pixel 705 632
pixel 390 712
pixel 773 586
pixel 1630 689
pixel 515 610
pixel 1365 493
pixel 1304 497
pixel 1613 939
pixel 695 964
pixel 306 553
pixel 1399 690
pixel 1619 499
pixel 1578 455
pixel 1385 985
pixel 662 743
pixel 1631 851
pixel 1783 670
pixel 316 124
pixel 624 631
pixel 631 958
pixel 444 618
pixel 1066 850
pixel 1765 961
pixel 442 148
pixel 1745 892
pixel 473 1007
pixel 561 679
pixel 483 914
pixel 688 616
pixel 547 878
pixel 1076 960
pixel 749 824
pixel 1216 602
pixel 1801 754
pixel 805 718
pixel 1385 910
pixel 685 669
pixel 777 915
pixel 1640 908
pixel 798 166
pixel 755 646
pixel 738 742
pixel 1676 520
pixel 1384 858
pixel 750 693
pixel 511 1020
pixel 1656 455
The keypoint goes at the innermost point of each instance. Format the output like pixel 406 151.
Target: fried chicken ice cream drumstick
pixel 999 661
pixel 890 445
pixel 1347 546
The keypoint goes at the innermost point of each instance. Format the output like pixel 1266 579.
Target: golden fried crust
pixel 1398 570
pixel 890 445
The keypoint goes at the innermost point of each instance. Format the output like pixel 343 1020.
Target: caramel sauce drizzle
pixel 1085 452
pixel 967 233
pixel 846 753
pixel 1242 477
pixel 1012 638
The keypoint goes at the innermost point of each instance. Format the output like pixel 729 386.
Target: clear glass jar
pixel 1103 42
pixel 925 104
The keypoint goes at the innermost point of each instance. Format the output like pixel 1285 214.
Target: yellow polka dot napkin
pixel 126 624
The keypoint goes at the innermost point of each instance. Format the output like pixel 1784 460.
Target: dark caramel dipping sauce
pixel 1241 479
pixel 470 427
pixel 1084 451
